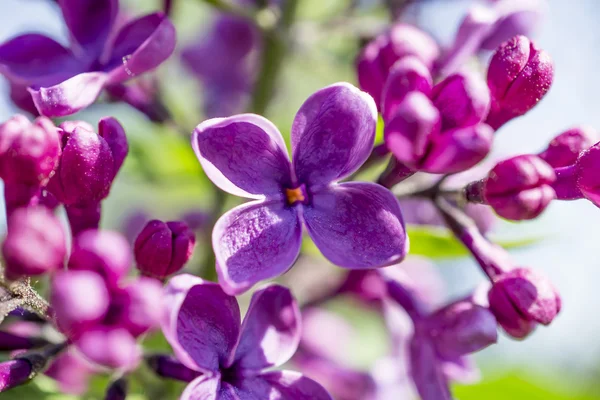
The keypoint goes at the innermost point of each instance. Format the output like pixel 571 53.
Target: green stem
pixel 275 47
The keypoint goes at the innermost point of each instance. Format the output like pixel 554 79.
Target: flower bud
pixel 461 328
pixel 80 299
pixel 117 390
pixel 586 177
pixel 413 136
pixel 14 373
pixel 565 148
pixel 29 152
pixel 104 252
pixel 518 188
pixel 144 306
pixel 462 100
pixel 110 347
pixel 89 162
pixel 377 58
pixel 519 76
pixel 407 75
pixel 522 298
pixel 168 366
pixel 162 249
pixel 35 243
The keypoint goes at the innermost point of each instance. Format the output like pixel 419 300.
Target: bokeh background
pixel 163 178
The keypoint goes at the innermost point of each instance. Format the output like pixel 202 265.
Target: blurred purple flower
pixel 72 372
pixel 565 148
pixel 96 310
pixel 14 373
pixel 222 60
pixel 580 180
pixel 203 325
pixel 62 80
pixel 485 27
pixel 356 225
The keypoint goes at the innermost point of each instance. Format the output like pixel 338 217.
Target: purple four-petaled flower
pixel 356 225
pixel 62 80
pixel 203 325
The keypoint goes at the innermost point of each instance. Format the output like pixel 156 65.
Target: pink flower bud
pixel 14 373
pixel 522 298
pixel 29 152
pixel 565 148
pixel 586 175
pixel 104 252
pixel 519 188
pixel 144 306
pixel 519 76
pixel 35 243
pixel 162 249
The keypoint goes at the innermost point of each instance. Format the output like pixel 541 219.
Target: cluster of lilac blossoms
pixel 439 122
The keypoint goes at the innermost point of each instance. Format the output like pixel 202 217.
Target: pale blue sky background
pixel 569 255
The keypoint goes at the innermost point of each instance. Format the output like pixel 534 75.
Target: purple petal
pixel 357 225
pixel 426 372
pixel 459 149
pixel 270 331
pixel 462 370
pixel 205 387
pixel 141 45
pixel 254 242
pixel 173 296
pixel 90 22
pixel 244 155
pixel 281 385
pixel 333 134
pixel 37 58
pixel 110 347
pixel 208 326
pixel 111 130
pixel 70 96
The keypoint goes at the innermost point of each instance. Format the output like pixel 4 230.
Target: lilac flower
pixel 437 130
pixel 33 228
pixel 355 225
pixel 485 27
pixel 565 148
pixel 88 165
pixel 63 80
pixel 161 249
pixel 222 62
pixel 203 325
pixel 14 373
pixel 518 188
pixel 519 76
pixel 114 313
pixel 375 61
pixel 580 180
pixel 29 153
pixel 72 372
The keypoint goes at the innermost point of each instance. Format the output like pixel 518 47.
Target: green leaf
pixel 437 242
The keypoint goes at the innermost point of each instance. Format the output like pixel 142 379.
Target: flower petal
pixel 205 387
pixel 69 96
pixel 244 155
pixel 35 58
pixel 141 45
pixel 173 296
pixel 90 22
pixel 426 372
pixel 357 225
pixel 333 134
pixel 254 242
pixel 110 347
pixel 270 331
pixel 281 385
pixel 207 326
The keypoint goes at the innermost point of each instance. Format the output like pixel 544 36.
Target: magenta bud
pixel 522 298
pixel 35 243
pixel 117 390
pixel 519 76
pixel 162 249
pixel 586 175
pixel 80 299
pixel 461 328
pixel 519 188
pixel 144 306
pixel 29 152
pixel 407 75
pixel 565 148
pixel 104 252
pixel 462 99
pixel 377 58
pixel 89 161
pixel 14 373
pixel 110 347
